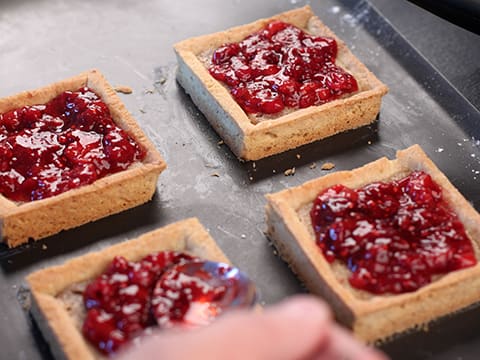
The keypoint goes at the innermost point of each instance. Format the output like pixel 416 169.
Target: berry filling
pixel 69 142
pixel 164 289
pixel 394 237
pixel 281 66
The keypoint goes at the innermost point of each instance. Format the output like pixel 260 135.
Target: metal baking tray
pixel 131 43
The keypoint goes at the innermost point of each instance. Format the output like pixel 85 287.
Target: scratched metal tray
pixel 131 43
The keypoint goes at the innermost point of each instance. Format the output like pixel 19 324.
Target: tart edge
pixel 106 196
pixel 65 340
pixel 378 317
pixel 269 137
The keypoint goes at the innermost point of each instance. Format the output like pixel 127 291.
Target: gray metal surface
pixel 131 43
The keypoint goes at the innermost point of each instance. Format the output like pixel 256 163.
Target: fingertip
pixel 274 333
pixel 303 307
pixel 343 345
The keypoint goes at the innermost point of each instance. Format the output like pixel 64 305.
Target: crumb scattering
pixel 328 166
pixel 210 165
pixel 313 166
pixel 124 89
pixel 290 172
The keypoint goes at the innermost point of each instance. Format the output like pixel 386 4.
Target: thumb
pixel 294 329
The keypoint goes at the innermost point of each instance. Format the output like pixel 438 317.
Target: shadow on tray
pixel 441 339
pixel 306 155
pixel 74 239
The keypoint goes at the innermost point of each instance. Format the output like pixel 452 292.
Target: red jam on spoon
pixel 69 142
pixel 393 236
pixel 281 66
pixel 165 289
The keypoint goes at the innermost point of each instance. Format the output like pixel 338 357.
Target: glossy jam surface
pixel 394 237
pixel 159 290
pixel 281 67
pixel 183 298
pixel 69 142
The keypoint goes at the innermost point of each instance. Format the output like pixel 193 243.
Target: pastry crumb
pixel 274 171
pixel 369 142
pixel 124 89
pixel 44 247
pixel 313 166
pixel 210 165
pixel 24 298
pixel 328 166
pixel 298 156
pixel 142 111
pixel 243 236
pixel 161 81
pixel 220 142
pixel 290 172
pixel 254 165
pixel 149 91
pixel 250 178
pixel 215 174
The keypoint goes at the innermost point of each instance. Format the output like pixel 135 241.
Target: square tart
pixel 371 317
pixel 21 221
pixel 60 318
pixel 252 137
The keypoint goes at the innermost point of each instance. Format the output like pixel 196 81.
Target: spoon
pixel 195 293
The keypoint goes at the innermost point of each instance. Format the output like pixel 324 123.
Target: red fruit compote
pixel 68 142
pixel 394 237
pixel 163 290
pixel 281 67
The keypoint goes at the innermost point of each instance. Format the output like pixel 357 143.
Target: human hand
pixel 298 328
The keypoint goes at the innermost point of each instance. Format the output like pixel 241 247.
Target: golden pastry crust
pixel 114 193
pixel 371 317
pixel 50 313
pixel 252 140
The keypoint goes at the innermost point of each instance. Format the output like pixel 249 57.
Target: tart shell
pixel 111 194
pixel 371 317
pixel 52 316
pixel 252 140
